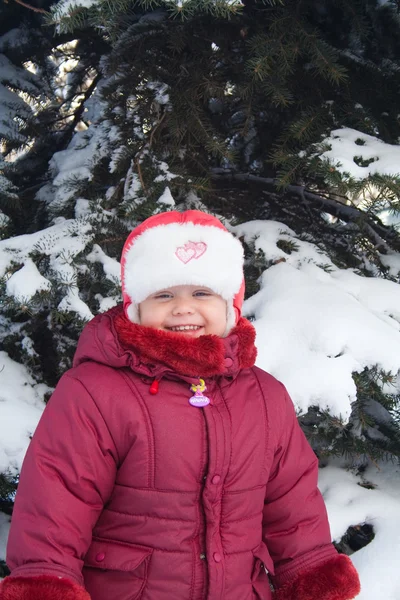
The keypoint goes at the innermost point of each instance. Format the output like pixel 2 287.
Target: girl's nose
pixel 183 306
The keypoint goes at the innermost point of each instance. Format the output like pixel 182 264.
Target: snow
pixel 82 208
pixel 21 401
pixel 165 175
pixel 4 528
pixel 112 268
pixel 13 81
pixel 72 303
pixel 26 282
pixel 315 321
pixel 4 219
pixel 347 144
pixel 167 198
pixel 61 243
pixel 19 78
pixel 116 156
pixel 27 345
pixel 106 303
pixel 76 163
pixel 161 96
pixel 8 100
pixel 64 239
pixel 392 262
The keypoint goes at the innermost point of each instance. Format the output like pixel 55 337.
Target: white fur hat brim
pixel 183 254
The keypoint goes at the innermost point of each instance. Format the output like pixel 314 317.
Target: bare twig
pixel 157 125
pixel 139 170
pixel 144 147
pixel 34 8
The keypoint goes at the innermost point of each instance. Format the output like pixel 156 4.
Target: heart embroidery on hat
pixel 185 254
pixel 190 250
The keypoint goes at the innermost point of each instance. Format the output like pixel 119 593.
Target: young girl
pixel 166 465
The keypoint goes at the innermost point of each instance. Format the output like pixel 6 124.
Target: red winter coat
pixel 135 495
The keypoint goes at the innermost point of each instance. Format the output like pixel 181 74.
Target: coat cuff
pixel 335 579
pixel 41 587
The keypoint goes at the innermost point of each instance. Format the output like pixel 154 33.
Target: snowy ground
pixel 316 324
pixel 349 503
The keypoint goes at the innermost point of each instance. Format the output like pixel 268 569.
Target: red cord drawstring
pixel 154 387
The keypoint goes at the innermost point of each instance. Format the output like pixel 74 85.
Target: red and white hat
pixel 189 248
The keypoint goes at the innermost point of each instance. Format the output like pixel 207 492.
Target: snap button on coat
pixel 100 556
pixel 217 557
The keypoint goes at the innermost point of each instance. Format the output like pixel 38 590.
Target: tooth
pixel 185 328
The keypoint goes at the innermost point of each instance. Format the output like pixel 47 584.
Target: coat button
pixel 228 362
pixel 217 557
pixel 216 479
pixel 100 556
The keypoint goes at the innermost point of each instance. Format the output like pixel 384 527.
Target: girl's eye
pixel 162 296
pixel 202 293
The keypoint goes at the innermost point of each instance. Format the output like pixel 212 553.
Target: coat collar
pixel 206 356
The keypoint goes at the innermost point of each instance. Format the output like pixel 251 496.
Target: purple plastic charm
pixel 199 400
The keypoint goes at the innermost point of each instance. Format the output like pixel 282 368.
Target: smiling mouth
pixel 185 328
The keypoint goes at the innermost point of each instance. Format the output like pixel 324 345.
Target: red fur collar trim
pixel 205 356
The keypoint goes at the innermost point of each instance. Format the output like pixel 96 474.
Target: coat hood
pixel 111 339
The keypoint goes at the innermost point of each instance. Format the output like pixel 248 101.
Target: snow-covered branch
pixel 383 237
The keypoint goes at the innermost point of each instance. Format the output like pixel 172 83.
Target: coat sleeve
pixel 67 476
pixel 295 523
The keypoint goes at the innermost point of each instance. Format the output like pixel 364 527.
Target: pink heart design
pixel 190 250
pixel 199 247
pixel 185 253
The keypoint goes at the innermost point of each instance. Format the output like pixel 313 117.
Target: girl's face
pixel 186 309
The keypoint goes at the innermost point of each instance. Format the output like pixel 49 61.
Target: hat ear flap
pixel 132 312
pixel 231 318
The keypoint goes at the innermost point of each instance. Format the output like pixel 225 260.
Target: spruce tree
pixel 228 106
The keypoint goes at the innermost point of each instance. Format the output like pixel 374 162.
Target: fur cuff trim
pixel 42 587
pixel 335 579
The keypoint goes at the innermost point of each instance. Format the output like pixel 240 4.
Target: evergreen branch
pixel 326 65
pixel 71 15
pixel 81 108
pixel 380 243
pixel 372 227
